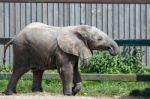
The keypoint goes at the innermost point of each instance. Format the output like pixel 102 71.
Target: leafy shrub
pixel 103 62
pixel 5 68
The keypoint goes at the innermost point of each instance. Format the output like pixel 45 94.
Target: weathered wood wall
pixel 120 21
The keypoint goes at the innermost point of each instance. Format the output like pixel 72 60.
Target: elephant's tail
pixel 5 48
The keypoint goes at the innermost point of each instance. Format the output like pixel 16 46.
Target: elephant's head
pixel 81 40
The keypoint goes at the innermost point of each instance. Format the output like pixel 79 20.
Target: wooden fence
pixel 118 20
pixel 80 1
pixel 89 76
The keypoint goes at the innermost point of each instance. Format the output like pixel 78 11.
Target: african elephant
pixel 40 47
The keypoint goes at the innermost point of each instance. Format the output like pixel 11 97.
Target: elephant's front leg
pixel 76 80
pixel 37 80
pixel 66 73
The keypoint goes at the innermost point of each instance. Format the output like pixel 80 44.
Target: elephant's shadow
pixel 145 93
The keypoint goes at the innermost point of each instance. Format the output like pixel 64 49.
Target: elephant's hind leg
pixel 17 73
pixel 37 80
pixel 20 66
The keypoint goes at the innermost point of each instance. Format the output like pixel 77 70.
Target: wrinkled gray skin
pixel 40 47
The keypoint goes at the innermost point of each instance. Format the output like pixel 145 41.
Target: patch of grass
pixel 52 86
pixel 111 88
pixel 90 88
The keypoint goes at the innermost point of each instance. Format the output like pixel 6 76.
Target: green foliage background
pixel 103 62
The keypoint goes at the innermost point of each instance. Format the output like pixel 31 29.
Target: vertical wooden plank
pixel 28 13
pixel 148 33
pixel 147 47
pixel 12 19
pixel 127 21
pixel 132 24
pixel 66 14
pixel 23 22
pixel 105 16
pixel 83 13
pixel 34 12
pixel 1 31
pixel 7 19
pixel 45 13
pixel 109 22
pixel 39 12
pixel 121 21
pixel 61 14
pixel 55 14
pixel 115 21
pixel 126 24
pixel 143 29
pixel 94 12
pixel 17 17
pixel 12 28
pixel 7 29
pixel 132 21
pixel 138 22
pixel 143 21
pixel 1 20
pixel 88 16
pixel 72 14
pixel 99 16
pixel 77 13
pixel 50 14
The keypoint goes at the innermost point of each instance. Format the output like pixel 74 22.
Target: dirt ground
pixel 52 97
pixel 63 97
pixel 48 96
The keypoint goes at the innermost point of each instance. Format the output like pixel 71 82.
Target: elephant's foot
pixel 37 89
pixel 68 93
pixel 76 88
pixel 9 92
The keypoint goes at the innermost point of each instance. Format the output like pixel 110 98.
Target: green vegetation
pixel 103 62
pixel 90 88
pixel 6 68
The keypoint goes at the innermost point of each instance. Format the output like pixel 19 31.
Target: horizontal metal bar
pixel 80 1
pixel 4 40
pixel 104 77
pixel 134 42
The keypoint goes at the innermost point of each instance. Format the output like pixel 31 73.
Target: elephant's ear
pixel 73 43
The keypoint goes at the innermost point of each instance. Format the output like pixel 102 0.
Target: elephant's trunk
pixel 114 48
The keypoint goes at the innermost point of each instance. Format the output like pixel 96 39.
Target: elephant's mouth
pixel 112 51
pixel 103 48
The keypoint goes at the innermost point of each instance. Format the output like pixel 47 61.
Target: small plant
pixel 5 68
pixel 103 62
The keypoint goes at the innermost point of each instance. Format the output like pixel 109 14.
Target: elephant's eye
pixel 99 38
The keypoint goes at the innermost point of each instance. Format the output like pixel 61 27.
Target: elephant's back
pixel 37 33
pixel 37 24
pixel 40 36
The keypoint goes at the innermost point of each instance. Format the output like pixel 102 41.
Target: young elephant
pixel 40 47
